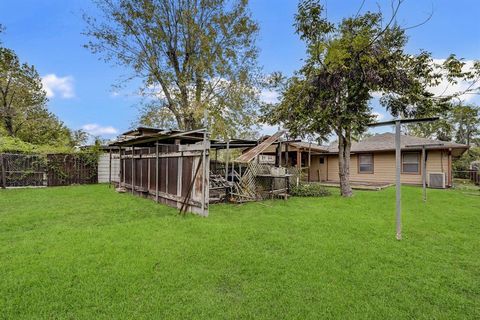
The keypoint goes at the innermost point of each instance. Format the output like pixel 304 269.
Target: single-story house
pixel 373 160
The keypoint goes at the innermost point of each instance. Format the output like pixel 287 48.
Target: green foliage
pixel 309 190
pixel 86 252
pixel 15 145
pixel 23 111
pixel 348 61
pixel 461 124
pixel 192 56
pixel 463 163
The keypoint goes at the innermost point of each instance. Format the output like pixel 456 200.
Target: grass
pixel 86 252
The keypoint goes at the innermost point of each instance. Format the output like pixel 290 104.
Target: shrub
pixel 309 190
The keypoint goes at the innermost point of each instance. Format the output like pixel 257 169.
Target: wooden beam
pixel 175 154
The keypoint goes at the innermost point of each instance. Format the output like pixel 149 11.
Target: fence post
pixel 109 168
pixel 2 164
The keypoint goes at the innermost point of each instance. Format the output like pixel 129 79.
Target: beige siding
pixel 384 168
pixel 314 167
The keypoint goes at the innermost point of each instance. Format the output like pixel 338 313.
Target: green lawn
pixel 86 252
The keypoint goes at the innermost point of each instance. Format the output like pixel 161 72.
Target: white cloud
pixel 269 96
pixel 97 130
pixel 266 129
pixel 445 88
pixel 58 86
pixel 379 116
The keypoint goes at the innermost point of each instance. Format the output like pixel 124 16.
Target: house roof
pixel 386 142
pixel 307 145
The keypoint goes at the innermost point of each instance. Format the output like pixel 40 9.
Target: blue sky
pixel 47 33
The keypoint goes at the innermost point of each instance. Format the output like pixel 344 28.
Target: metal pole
pixel 398 184
pixel 156 171
pixel 424 174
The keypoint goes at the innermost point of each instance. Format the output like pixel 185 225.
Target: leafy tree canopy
pixel 23 111
pixel 191 56
pixel 346 63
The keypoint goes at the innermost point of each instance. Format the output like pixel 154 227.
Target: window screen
pixel 411 162
pixel 365 163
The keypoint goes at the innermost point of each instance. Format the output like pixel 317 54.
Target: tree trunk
pixel 8 121
pixel 344 144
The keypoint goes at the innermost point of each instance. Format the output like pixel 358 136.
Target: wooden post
pixel 424 174
pixel 216 161
pixel 179 173
pixel 204 170
pixel 397 180
pixel 123 165
pixel 309 160
pixel 226 159
pixel 299 159
pixel 280 153
pixel 4 179
pixel 287 158
pixel 141 168
pixel 206 166
pixel 133 171
pixel 156 171
pixel 110 169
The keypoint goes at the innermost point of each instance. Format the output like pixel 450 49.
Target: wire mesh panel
pixel 67 169
pixel 23 170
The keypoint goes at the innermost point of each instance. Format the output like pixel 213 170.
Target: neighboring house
pixel 373 160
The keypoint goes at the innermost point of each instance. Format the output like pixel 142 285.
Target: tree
pixel 461 123
pixel 190 55
pixel 78 137
pixel 345 64
pixel 23 111
pixel 467 122
pixel 21 92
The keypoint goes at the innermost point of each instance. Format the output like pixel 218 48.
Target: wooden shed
pixel 169 166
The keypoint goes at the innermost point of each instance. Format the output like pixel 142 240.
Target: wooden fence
pixel 21 170
pixel 176 175
pixel 474 176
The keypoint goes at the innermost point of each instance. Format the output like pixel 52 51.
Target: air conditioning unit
pixel 436 180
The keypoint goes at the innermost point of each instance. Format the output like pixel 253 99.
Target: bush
pixel 309 190
pixel 15 145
